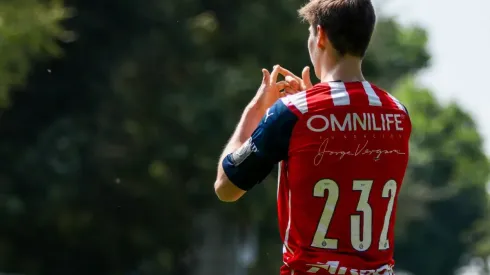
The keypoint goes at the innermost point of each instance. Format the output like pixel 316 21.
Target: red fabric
pixel 351 144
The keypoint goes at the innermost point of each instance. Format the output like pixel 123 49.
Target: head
pixel 339 29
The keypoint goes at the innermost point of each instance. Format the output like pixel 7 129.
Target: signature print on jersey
pixel 362 149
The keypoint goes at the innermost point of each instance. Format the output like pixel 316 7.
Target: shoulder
pixel 296 103
pixel 283 111
pixel 389 99
pixel 274 131
pixel 320 96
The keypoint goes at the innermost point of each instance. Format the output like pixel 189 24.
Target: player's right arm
pixel 254 160
pixel 267 94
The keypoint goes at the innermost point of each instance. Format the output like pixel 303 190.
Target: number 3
pixel 358 243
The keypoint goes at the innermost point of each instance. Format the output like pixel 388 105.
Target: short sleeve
pixel 269 144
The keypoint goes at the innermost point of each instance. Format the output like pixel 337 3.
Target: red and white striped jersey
pixel 347 155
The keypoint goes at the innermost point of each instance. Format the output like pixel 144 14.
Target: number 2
pixel 358 243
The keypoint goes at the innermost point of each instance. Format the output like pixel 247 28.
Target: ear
pixel 321 37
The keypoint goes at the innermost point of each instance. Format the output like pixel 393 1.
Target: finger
pixel 286 72
pixel 274 74
pixel 290 79
pixel 293 83
pixel 289 91
pixel 265 76
pixel 281 85
pixel 306 78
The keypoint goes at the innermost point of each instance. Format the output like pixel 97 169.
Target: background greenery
pixel 114 113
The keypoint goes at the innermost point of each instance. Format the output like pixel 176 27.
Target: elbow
pixel 224 193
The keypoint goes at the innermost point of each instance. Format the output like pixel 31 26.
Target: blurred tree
pixel 444 196
pixel 394 52
pixel 28 30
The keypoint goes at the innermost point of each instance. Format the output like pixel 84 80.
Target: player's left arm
pixel 245 163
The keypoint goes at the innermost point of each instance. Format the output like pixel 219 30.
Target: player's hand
pixel 293 86
pixel 295 83
pixel 270 90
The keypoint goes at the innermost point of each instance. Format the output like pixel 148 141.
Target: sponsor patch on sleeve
pixel 242 153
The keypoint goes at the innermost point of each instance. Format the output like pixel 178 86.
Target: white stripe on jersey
pixel 400 106
pixel 339 94
pixel 286 238
pixel 278 179
pixel 372 96
pixel 298 100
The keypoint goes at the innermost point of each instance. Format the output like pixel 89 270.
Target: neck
pixel 345 69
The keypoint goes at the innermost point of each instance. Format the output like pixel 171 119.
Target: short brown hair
pixel 348 24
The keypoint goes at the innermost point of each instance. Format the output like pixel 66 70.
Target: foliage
pixel 445 191
pixel 28 30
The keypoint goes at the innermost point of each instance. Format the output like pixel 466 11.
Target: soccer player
pixel 342 145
